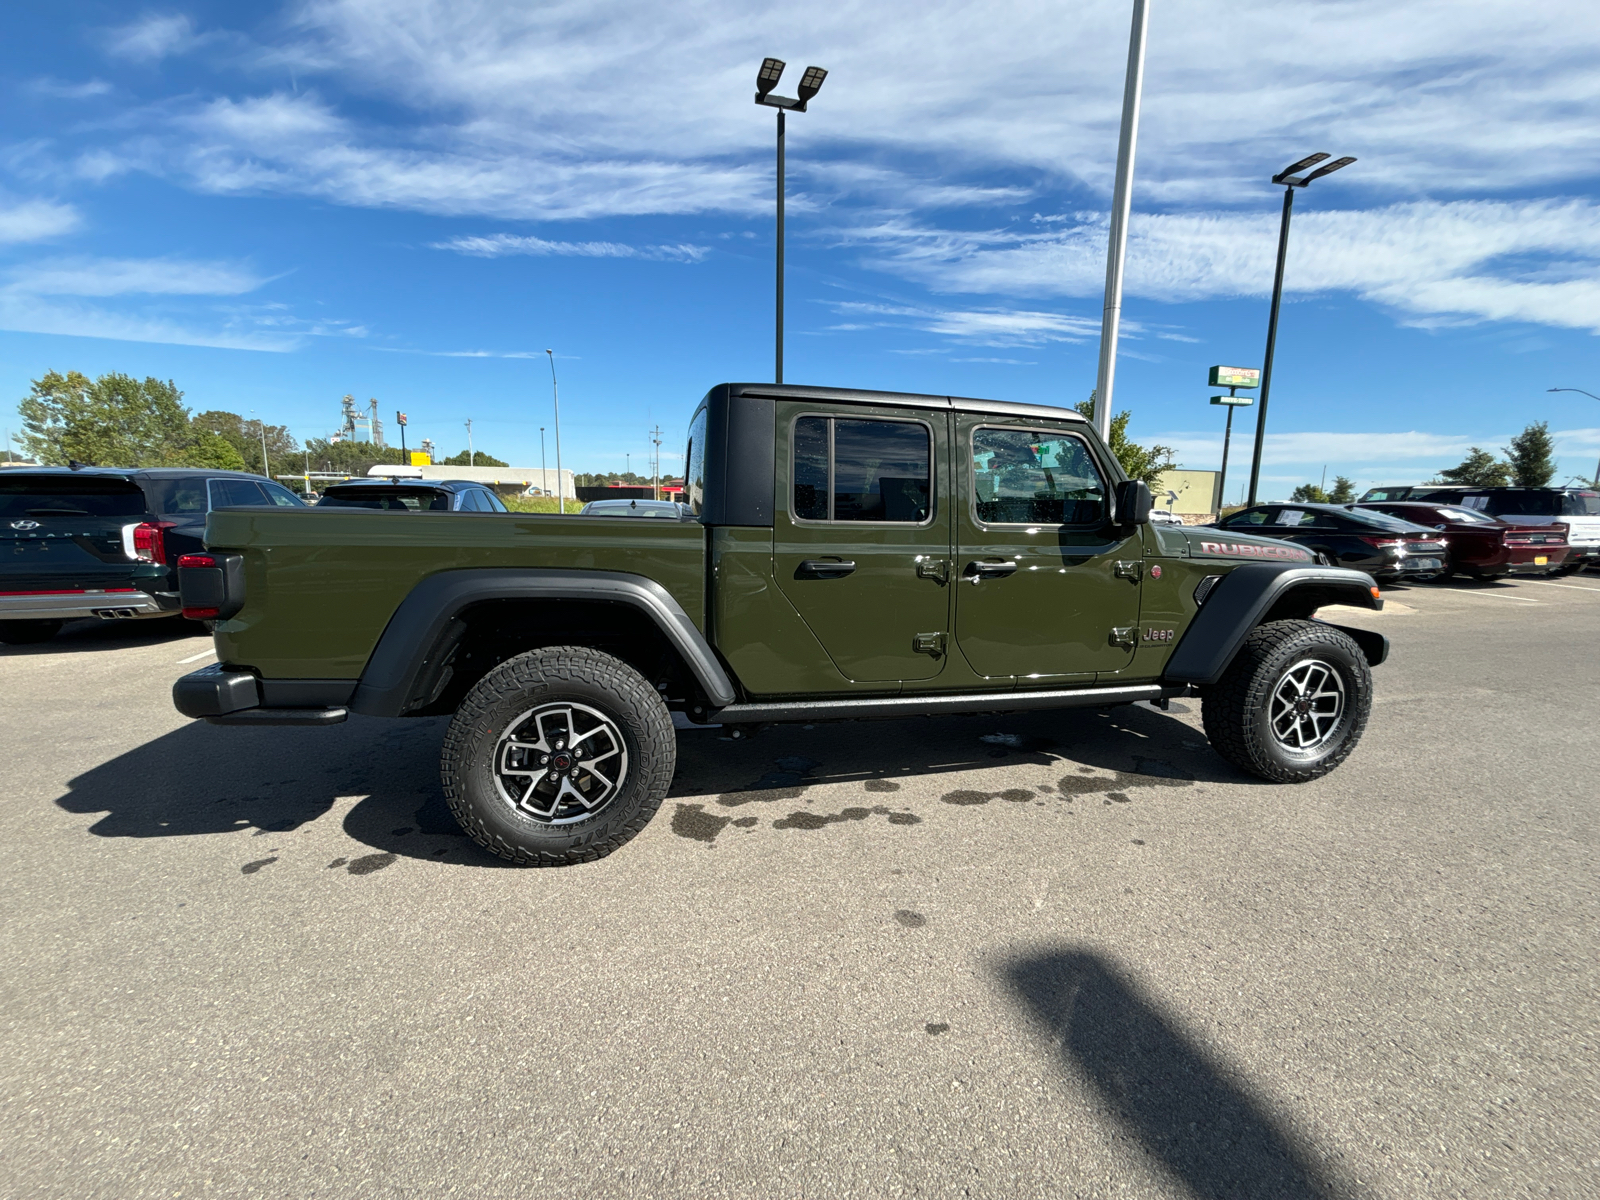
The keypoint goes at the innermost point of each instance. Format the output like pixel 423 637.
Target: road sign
pixel 1241 401
pixel 1235 377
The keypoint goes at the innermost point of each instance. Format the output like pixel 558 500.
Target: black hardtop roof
pixel 999 408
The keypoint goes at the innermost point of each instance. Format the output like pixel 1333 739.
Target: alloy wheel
pixel 1306 705
pixel 561 763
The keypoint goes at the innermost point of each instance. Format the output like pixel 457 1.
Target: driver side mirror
pixel 1133 503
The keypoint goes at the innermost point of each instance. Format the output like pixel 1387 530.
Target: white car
pixel 1165 516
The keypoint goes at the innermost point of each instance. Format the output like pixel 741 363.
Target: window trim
pixel 830 520
pixel 971 476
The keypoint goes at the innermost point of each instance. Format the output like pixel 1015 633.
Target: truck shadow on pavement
pixel 1194 1117
pixel 203 779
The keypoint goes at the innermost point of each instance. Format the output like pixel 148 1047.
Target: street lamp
pixel 1290 181
pixel 810 84
pixel 555 395
pixel 1591 396
pixel 261 428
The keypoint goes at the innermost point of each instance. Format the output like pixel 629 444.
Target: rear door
pixel 1048 589
pixel 861 535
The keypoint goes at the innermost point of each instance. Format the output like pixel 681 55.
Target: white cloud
pixel 35 220
pixel 1464 260
pixel 131 276
pixel 28 314
pixel 983 326
pixel 59 90
pixel 498 245
pixel 153 37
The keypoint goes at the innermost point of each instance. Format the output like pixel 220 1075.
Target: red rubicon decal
pixel 1248 551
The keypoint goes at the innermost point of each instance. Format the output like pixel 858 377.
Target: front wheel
pixel 24 633
pixel 558 756
pixel 1293 703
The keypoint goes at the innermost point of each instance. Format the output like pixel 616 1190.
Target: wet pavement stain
pixel 747 822
pixel 805 820
pixel 904 818
pixel 692 821
pixel 368 863
pixel 966 796
pixel 909 919
pixel 1148 772
pixel 338 862
pixel 1119 797
pixel 881 785
pixel 250 868
pixel 788 781
pixel 935 1028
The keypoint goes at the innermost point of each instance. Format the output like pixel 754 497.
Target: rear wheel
pixel 23 633
pixel 1293 703
pixel 558 756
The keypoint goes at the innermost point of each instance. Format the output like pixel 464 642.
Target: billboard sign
pixel 1235 377
pixel 1241 401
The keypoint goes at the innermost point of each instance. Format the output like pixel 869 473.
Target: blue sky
pixel 276 204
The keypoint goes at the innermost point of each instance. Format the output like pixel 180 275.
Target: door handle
pixel 824 568
pixel 977 571
pixel 933 568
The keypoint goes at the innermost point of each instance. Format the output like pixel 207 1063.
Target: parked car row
pixel 102 542
pixel 1576 511
pixel 1417 540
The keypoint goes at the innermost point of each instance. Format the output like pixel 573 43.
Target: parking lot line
pixel 1492 596
pixel 1546 583
pixel 196 657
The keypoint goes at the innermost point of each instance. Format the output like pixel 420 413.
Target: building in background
pixel 1197 499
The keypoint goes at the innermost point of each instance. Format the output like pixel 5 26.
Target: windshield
pixel 23 496
pixel 386 499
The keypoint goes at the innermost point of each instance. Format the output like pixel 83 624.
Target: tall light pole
pixel 810 84
pixel 544 465
pixel 555 395
pixel 261 428
pixel 1591 396
pixel 1121 200
pixel 472 458
pixel 1290 181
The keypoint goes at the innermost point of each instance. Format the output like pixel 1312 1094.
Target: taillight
pixel 196 560
pixel 1384 543
pixel 204 562
pixel 146 542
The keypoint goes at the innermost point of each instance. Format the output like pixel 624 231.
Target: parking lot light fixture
pixel 810 84
pixel 1289 180
pixel 1591 396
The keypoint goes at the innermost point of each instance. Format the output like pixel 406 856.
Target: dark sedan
pixel 411 495
pixel 1482 546
pixel 1384 547
pixel 668 509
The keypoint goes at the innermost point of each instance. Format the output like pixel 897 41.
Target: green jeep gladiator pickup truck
pixel 851 554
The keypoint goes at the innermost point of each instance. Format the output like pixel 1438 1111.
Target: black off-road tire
pixel 25 633
pixel 1237 709
pixel 552 676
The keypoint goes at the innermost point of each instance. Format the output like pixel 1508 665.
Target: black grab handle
pixel 825 568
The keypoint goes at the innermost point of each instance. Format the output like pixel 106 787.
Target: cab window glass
pixel 694 472
pixel 467 502
pixel 493 503
pixel 1028 477
pixel 177 496
pixel 281 496
pixel 1254 516
pixel 1298 517
pixel 862 470
pixel 1580 504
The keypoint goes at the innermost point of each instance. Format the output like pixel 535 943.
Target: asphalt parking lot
pixel 1034 955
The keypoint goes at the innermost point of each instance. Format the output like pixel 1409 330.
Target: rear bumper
pixel 226 697
pixel 70 605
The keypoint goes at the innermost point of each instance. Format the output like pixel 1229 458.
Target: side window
pixel 1029 477
pixel 1248 518
pixel 848 469
pixel 1299 518
pixel 231 493
pixel 493 503
pixel 281 496
pixel 466 501
pixel 694 459
pixel 183 496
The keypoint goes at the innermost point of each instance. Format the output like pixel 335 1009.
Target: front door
pixel 1047 589
pixel 861 535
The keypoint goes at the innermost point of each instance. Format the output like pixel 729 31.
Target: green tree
pixel 1309 493
pixel 244 436
pixel 1344 490
pixel 477 459
pixel 1144 463
pixel 1531 456
pixel 1478 469
pixel 113 421
pixel 344 457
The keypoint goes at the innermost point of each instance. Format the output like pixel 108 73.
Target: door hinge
pixel 929 643
pixel 1126 636
pixel 933 568
pixel 1130 570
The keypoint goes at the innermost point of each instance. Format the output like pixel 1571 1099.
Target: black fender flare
pixel 1237 604
pixel 401 655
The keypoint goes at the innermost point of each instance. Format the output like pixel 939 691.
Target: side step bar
pixel 281 716
pixel 927 706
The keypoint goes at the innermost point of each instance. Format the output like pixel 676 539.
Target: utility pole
pixel 655 474
pixel 544 465
pixel 472 460
pixel 1121 203
pixel 261 429
pixel 555 395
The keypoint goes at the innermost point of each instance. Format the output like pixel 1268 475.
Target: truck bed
pixel 338 574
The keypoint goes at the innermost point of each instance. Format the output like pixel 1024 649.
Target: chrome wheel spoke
pixel 546 763
pixel 1306 705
